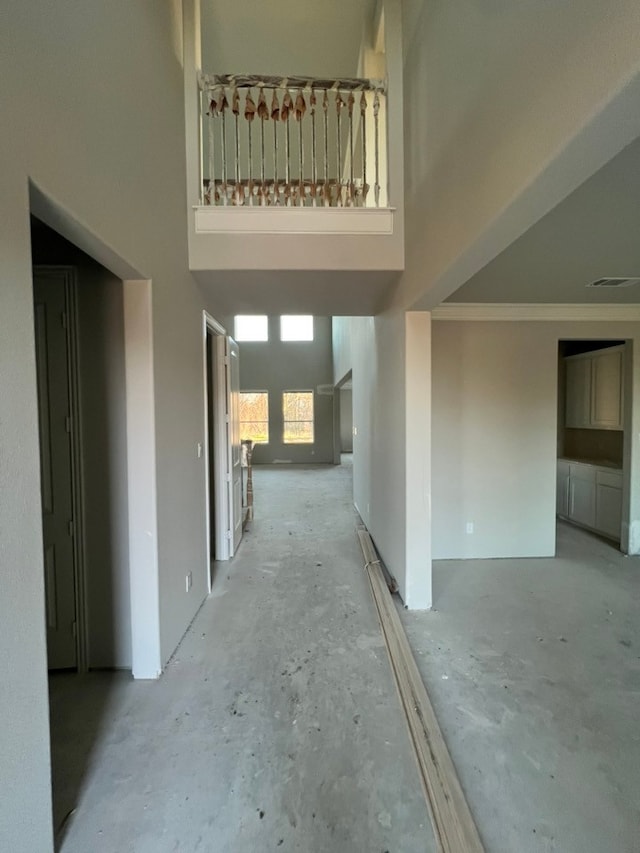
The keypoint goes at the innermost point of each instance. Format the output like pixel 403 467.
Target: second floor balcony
pixel 293 155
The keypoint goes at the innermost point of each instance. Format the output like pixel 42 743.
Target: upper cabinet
pixel 594 389
pixel 606 389
pixel 578 393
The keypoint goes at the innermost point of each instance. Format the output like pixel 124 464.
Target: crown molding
pixel 490 311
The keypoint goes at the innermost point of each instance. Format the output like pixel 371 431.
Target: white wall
pixel 93 114
pixel 346 419
pixel 104 459
pixel 494 434
pixel 391 440
pixel 508 106
pixel 341 331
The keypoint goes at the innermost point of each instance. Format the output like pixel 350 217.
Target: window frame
pixel 298 340
pixel 241 421
pixel 311 420
pixel 260 340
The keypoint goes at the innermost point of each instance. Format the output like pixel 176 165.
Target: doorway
pixel 223 481
pixel 343 420
pixel 593 436
pixel 80 357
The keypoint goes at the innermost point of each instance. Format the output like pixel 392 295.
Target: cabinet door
pixel 578 393
pixel 608 510
pixel 562 489
pixel 606 390
pixel 582 501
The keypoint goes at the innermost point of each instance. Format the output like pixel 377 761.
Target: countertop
pixel 597 463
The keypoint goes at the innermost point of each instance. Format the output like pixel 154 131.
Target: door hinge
pixel 70 527
pixel 226 359
pixel 227 477
pixel 227 419
pixel 228 534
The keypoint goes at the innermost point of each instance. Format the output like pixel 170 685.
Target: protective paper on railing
pixel 282 145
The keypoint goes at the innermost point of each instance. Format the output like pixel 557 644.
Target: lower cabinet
pixel 591 496
pixel 582 499
pixel 562 489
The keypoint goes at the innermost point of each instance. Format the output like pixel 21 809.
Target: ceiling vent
pixel 614 282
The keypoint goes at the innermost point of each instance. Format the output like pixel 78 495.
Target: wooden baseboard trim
pixel 453 825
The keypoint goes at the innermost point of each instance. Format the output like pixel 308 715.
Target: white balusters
pixel 283 169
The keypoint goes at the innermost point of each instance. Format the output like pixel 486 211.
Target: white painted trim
pixel 209 323
pixel 417 392
pixel 546 312
pixel 294 220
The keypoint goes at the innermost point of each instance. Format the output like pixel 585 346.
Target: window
pixel 297 409
pixel 251 327
pixel 296 327
pixel 254 416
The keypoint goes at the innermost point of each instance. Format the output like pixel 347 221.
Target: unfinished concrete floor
pixel 533 667
pixel 275 727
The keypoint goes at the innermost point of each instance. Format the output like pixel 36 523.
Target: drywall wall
pixel 342 351
pixel 506 113
pixel 495 438
pixel 76 85
pixel 102 407
pixel 285 37
pixel 276 366
pixel 346 420
pixel 104 451
pixel 389 355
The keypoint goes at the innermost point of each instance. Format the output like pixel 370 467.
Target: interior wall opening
pixel 80 361
pixel 594 405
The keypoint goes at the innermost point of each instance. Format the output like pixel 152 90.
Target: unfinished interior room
pixel 320 426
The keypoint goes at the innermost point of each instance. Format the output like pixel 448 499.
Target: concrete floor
pixel 533 667
pixel 276 726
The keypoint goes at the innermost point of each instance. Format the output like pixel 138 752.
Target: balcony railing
pixel 293 141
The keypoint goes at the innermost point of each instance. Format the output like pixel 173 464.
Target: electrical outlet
pixel 188 581
pixel 469 527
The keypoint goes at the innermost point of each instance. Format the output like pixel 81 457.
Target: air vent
pixel 614 282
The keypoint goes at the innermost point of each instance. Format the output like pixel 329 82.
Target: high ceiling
pixel 316 39
pixel 594 233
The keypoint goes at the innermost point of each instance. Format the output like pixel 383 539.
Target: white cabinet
pixel 606 389
pixel 609 502
pixel 582 494
pixel 578 391
pixel 594 389
pixel 590 496
pixel 562 489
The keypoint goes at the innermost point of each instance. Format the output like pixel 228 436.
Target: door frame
pixel 222 519
pixel 624 545
pixel 69 274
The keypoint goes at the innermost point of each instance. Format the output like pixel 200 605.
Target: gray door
pixel 52 361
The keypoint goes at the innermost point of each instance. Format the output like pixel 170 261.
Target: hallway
pixel 276 725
